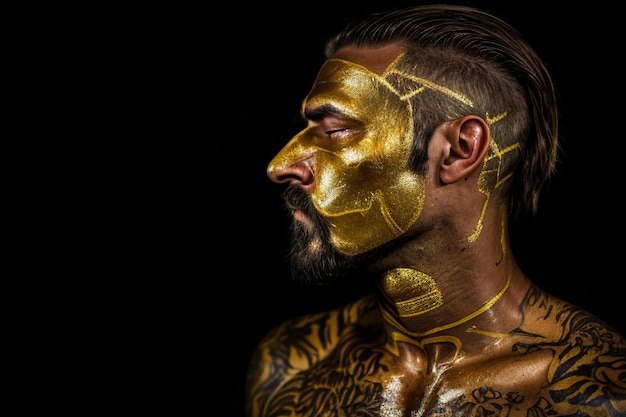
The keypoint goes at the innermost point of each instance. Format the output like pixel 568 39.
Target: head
pixel 389 83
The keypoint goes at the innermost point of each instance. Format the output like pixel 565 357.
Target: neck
pixel 410 293
pixel 462 308
pixel 458 290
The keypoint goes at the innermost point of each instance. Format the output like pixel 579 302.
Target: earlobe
pixel 468 142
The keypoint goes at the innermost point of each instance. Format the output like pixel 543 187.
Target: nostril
pixel 303 173
pixel 300 172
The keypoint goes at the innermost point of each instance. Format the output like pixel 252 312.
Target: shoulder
pixel 588 356
pixel 313 335
pixel 555 321
pixel 299 343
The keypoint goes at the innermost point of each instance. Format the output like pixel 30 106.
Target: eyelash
pixel 330 132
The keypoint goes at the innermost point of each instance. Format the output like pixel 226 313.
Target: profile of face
pixel 355 150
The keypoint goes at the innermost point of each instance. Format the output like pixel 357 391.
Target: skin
pixel 456 328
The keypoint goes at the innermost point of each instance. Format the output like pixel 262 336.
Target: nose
pixel 299 172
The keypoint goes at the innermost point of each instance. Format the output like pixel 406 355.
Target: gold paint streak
pixel 492 120
pixel 402 337
pixel 384 209
pixel 479 225
pixel 503 180
pixel 393 65
pixel 433 86
pixel 509 148
pixel 503 227
pixel 470 316
pixel 483 183
pixel 419 305
pixel 393 70
pixel 494 335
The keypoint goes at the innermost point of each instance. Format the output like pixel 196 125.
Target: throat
pixel 411 292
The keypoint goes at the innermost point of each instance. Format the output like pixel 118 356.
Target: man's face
pixel 356 145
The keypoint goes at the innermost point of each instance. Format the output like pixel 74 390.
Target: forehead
pixel 353 76
pixel 375 59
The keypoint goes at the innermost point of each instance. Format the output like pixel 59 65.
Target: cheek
pixel 348 180
pixel 369 213
pixel 366 193
pixel 343 185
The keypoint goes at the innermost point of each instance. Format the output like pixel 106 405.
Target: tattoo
pixel 336 364
pixel 340 373
pixel 588 368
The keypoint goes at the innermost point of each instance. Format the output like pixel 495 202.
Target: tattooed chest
pixel 339 386
pixel 371 383
pixel 337 393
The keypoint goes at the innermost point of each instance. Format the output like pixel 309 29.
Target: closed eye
pixel 331 132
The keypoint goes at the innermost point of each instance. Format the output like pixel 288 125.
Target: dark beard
pixel 313 260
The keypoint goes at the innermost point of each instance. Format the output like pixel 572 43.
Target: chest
pixel 374 382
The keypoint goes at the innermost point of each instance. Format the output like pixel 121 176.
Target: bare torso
pixel 560 361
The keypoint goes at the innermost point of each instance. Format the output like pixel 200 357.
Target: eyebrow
pixel 321 112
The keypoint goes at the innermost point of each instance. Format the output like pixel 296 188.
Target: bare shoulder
pixel 299 343
pixel 550 321
pixel 588 365
pixel 312 336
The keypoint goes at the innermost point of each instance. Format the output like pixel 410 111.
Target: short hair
pixel 485 60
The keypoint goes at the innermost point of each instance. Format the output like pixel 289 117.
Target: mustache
pixel 296 198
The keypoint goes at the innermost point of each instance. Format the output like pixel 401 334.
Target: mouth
pixel 300 216
pixel 298 203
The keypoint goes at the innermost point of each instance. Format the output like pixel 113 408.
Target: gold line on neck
pixel 467 318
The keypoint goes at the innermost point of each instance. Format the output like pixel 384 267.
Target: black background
pixel 213 95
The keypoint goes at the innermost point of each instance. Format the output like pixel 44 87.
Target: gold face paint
pixel 362 184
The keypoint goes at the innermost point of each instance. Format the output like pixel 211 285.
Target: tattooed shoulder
pixel 299 343
pixel 588 357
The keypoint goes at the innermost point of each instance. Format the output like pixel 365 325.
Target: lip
pixel 300 216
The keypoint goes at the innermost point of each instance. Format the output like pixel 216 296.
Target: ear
pixel 467 142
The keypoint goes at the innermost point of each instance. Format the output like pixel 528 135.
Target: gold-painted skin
pixel 411 291
pixel 359 179
pixel 455 327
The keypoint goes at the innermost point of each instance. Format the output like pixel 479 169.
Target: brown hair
pixel 483 58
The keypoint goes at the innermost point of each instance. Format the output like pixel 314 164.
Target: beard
pixel 313 259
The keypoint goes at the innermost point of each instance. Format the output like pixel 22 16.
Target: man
pixel 429 129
